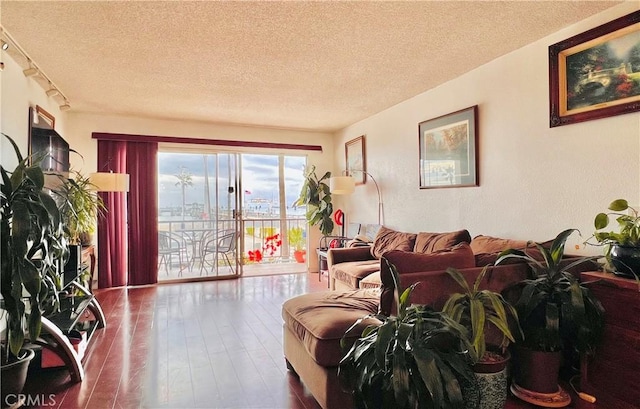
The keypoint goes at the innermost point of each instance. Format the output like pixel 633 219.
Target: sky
pixel 259 178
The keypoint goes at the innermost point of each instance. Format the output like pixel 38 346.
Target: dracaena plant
pixel 477 309
pixel 419 358
pixel 555 310
pixel 316 195
pixel 32 247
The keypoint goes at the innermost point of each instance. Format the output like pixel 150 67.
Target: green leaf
pixel 619 205
pixel 601 221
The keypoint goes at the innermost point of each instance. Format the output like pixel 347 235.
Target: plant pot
pixel 536 370
pixel 300 255
pixel 14 376
pixel 491 378
pixel 626 260
pixel 536 378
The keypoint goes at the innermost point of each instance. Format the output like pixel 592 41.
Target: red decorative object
pixel 338 216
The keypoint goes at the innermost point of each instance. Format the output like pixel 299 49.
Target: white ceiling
pixel 301 65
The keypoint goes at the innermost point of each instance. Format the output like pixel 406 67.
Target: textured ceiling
pixel 302 65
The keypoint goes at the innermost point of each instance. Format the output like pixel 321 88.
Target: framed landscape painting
pixel 448 150
pixel 596 74
pixel 355 159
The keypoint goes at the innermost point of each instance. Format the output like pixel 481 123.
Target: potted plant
pixel 32 247
pixel 419 358
pixel 316 195
pixel 79 206
pixel 557 315
pixel 478 310
pixel 296 240
pixel 623 246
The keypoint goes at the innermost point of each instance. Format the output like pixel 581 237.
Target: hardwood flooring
pixel 215 344
pixel 207 344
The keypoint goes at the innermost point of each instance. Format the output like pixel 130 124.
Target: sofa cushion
pixel 487 249
pixel 459 256
pixel 388 240
pixel 351 272
pixel 371 281
pixel 431 242
pixel 320 320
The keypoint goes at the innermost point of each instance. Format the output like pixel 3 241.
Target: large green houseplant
pixel 419 358
pixel 557 314
pixel 80 206
pixel 32 247
pixel 316 195
pixel 478 311
pixel 622 247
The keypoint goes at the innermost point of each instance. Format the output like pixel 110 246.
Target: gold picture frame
pixel 596 74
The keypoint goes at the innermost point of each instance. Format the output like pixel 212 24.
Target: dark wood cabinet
pixel 612 374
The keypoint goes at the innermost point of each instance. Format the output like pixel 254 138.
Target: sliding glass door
pixel 226 214
pixel 197 215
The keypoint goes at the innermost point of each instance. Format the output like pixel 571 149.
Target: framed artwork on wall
pixel 596 74
pixel 448 150
pixel 355 160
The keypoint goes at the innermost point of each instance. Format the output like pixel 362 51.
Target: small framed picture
pixel 448 150
pixel 355 160
pixel 596 74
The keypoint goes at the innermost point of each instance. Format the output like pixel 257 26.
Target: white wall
pixel 17 94
pixel 535 181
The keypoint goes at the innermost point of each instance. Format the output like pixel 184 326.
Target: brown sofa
pixel 315 323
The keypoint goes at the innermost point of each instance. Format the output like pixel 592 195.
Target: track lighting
pixel 30 72
pixel 32 69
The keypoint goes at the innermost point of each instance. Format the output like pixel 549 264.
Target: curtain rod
pixel 202 141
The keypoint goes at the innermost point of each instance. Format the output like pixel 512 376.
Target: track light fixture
pixel 30 72
pixel 52 92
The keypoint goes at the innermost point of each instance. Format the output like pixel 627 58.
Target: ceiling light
pixel 5 45
pixel 30 72
pixel 52 92
pixel 65 106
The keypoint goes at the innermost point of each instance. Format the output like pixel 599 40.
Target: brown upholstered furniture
pixel 359 267
pixel 314 323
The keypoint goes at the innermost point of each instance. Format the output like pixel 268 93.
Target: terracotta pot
pixel 537 371
pixel 493 366
pixel 14 376
pixel 300 255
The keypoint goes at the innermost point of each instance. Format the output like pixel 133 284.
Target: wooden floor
pixel 213 344
pixel 189 345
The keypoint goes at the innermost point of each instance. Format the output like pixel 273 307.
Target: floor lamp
pixel 345 185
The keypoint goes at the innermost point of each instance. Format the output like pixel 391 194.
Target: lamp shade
pixel 110 182
pixel 342 185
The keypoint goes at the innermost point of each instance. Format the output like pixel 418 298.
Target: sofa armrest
pixel 342 255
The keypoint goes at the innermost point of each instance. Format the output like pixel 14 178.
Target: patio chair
pixel 216 243
pixel 170 245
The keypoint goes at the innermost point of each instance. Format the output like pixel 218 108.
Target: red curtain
pixel 127 235
pixel 143 212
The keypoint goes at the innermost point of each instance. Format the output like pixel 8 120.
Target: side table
pixel 322 259
pixel 611 374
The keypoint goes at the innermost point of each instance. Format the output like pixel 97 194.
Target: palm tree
pixel 184 180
